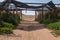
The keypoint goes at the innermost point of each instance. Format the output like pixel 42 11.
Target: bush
pixel 5 24
pixel 8 21
pixel 51 20
pixel 40 20
pixel 47 21
pixel 54 26
pixel 58 16
pixel 49 17
pixel 6 28
pixel 10 18
pixel 56 33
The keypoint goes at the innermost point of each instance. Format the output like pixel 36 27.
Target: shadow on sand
pixel 31 27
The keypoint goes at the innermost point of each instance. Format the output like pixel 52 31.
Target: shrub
pixel 40 20
pixel 58 16
pixel 46 21
pixel 54 26
pixel 56 33
pixel 50 16
pixel 5 24
pixel 6 28
pixel 10 18
pixel 49 21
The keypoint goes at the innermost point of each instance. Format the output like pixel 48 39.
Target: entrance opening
pixel 28 15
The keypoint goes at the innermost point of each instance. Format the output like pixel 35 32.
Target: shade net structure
pixel 4 5
pixel 19 6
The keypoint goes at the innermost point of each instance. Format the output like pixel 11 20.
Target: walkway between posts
pixel 30 26
pixel 29 30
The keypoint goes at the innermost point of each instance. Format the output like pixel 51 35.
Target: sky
pixel 35 1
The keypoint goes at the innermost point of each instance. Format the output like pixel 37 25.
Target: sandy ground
pixel 43 34
pixel 29 30
pixel 28 17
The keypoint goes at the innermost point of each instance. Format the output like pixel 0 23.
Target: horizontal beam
pixel 35 3
pixel 24 9
pixel 39 3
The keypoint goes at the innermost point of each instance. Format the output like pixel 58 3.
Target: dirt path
pixel 30 31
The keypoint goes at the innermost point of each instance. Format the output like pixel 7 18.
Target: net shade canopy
pixel 5 5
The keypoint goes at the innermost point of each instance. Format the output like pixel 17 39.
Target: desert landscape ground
pixel 29 30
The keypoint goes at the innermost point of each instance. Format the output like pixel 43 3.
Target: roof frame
pixel 24 5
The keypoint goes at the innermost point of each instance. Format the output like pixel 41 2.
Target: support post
pixel 13 12
pixel 39 14
pixel 42 12
pixel 16 11
pixel 21 15
pixel 35 15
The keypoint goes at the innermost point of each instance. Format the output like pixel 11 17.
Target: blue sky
pixel 35 1
pixel 39 1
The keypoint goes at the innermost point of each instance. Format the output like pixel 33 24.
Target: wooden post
pixel 39 14
pixel 35 15
pixel 0 15
pixel 42 12
pixel 21 15
pixel 16 11
pixel 49 16
pixel 13 12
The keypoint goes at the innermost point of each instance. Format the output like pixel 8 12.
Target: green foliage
pixel 56 32
pixel 47 21
pixel 8 21
pixel 40 20
pixel 10 18
pixel 50 17
pixel 6 28
pixel 51 20
pixel 8 25
pixel 54 26
pixel 58 16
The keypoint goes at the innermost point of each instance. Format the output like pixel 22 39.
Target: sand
pixel 30 30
